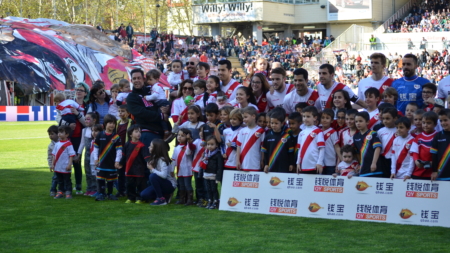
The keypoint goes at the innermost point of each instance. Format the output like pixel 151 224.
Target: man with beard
pixel 228 85
pixel 328 86
pixel 409 87
pixel 145 113
pixel 191 68
pixel 302 93
pixel 276 97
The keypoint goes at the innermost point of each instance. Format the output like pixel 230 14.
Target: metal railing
pixel 400 14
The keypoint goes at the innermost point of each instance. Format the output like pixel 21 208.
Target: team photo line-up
pixel 398 129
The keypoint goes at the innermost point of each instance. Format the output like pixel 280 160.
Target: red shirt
pixel 203 58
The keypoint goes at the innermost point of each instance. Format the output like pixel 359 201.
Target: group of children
pixel 376 142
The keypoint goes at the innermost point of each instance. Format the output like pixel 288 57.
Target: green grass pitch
pixel 31 221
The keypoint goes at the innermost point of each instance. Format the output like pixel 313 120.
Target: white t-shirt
pixel 444 88
pixel 347 169
pixel 386 135
pixel 230 136
pixel 367 83
pixel 407 165
pixel 292 99
pixel 309 153
pixel 324 94
pixel 62 152
pixel 250 147
pixel 230 89
pixel 374 118
pixel 157 93
pixel 331 138
pixel 277 98
pixel 182 161
pixel 122 97
pixel 64 106
pixel 198 155
pixel 178 108
pixel 345 138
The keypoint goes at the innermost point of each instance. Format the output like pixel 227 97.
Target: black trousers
pixel 64 182
pixel 211 189
pixel 135 185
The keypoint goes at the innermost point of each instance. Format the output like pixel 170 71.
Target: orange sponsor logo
pixel 314 207
pixel 245 184
pixel 425 195
pixel 233 201
pixel 371 216
pixel 328 189
pixel 274 181
pixel 362 186
pixel 283 210
pixel 406 214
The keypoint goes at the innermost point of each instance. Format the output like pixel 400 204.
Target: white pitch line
pixel 23 138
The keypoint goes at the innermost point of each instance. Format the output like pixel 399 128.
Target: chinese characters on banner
pixel 414 202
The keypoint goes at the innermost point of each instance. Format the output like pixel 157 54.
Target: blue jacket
pixel 409 90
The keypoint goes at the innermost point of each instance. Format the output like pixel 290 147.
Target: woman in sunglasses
pixel 179 107
pixel 98 100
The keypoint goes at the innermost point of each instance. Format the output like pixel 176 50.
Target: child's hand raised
pixel 180 119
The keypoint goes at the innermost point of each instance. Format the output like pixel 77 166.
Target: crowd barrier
pixel 414 202
pixel 27 113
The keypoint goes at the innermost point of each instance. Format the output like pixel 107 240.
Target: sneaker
pixel 139 201
pixel 213 205
pixel 87 193
pixel 159 202
pixel 129 201
pixel 59 195
pixel 94 194
pixel 209 204
pixel 68 196
pixel 112 197
pixel 52 194
pixel 79 192
pixel 203 204
pixel 100 197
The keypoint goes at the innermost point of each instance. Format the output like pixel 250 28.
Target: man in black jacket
pixel 146 114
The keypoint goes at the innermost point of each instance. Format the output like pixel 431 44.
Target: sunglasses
pixel 191 63
pixel 188 88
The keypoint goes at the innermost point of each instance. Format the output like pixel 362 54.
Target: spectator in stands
pixel 204 57
pixel 410 44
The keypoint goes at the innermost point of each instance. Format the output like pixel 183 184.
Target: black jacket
pixel 215 165
pixel 146 114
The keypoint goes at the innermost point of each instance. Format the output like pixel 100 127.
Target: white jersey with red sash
pixel 249 140
pixel 230 89
pixel 179 108
pixel 387 137
pixel 212 98
pixel 277 98
pixel 182 161
pixel 199 100
pixel 374 118
pixel 331 138
pixel 198 154
pixel 345 138
pixel 293 98
pixel 325 95
pixel 310 140
pixel 368 82
pixel 402 160
pixel 262 104
pixel 230 136
pixel 62 151
pixel 347 169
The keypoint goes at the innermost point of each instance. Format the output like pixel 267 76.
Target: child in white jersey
pixel 124 86
pixel 346 136
pixel 332 148
pixel 230 136
pixel 63 155
pixel 402 160
pixel 113 109
pixel 387 135
pixel 349 166
pixel 176 76
pixel 183 161
pixel 64 107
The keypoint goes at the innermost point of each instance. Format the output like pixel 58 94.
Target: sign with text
pixel 415 202
pixel 349 9
pixel 27 113
pixel 227 12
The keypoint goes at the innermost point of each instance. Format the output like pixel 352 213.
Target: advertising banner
pixel 227 12
pixel 27 113
pixel 415 202
pixel 349 9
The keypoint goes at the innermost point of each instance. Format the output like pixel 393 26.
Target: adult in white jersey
pixel 444 85
pixel 301 94
pixel 281 89
pixel 378 80
pixel 328 86
pixel 228 85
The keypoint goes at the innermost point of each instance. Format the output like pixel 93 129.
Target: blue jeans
pixel 159 188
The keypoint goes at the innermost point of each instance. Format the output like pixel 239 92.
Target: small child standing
pixel 113 108
pixel 311 144
pixel 134 164
pixel 53 135
pixel 183 161
pixel 200 192
pixel 411 108
pixel 387 135
pixel 368 144
pixel 346 136
pixel 402 160
pixel 441 149
pixel 279 145
pixel 372 99
pixel 230 136
pixel 348 166
pixel 332 148
pixel 107 155
pixel 125 90
pixel 213 89
pixel 63 155
pixel 416 129
pixel 95 130
pixel 63 107
pixel 212 165
pixel 91 119
pixel 122 129
pixel 212 120
pixel 193 124
pixel 248 152
pixel 295 121
pixel 261 120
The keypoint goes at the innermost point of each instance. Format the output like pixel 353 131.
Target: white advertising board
pixel 415 202
pixel 349 9
pixel 227 12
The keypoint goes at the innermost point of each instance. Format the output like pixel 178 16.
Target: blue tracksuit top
pixel 409 90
